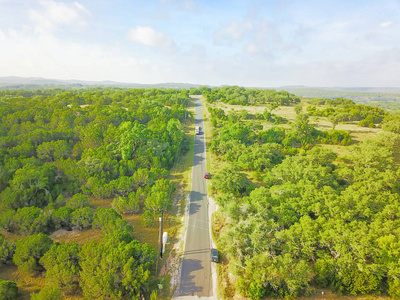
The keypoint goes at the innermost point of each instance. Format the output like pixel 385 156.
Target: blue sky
pixel 248 43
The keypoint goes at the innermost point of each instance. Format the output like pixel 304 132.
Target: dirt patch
pixel 80 237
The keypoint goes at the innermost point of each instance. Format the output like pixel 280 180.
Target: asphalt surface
pixel 196 280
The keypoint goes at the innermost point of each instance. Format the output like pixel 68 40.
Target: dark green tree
pixel 8 290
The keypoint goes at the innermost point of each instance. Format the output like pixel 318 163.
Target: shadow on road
pixel 187 286
pixel 195 197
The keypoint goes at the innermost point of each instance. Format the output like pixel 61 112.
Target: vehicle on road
pixel 207 175
pixel 197 130
pixel 214 255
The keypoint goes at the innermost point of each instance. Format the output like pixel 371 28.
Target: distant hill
pixel 316 91
pixel 12 82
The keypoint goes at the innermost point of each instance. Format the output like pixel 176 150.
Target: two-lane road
pixel 196 280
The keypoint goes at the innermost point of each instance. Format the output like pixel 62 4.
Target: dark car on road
pixel 214 255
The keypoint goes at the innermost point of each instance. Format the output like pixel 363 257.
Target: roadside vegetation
pixel 308 195
pixel 307 189
pixel 84 176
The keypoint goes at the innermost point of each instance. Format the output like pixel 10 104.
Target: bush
pixel 82 218
pixel 78 201
pixel 8 290
pixel 109 220
pixel 335 137
pixel 30 250
pixel 147 219
pixel 62 218
pixel 7 250
pixel 48 293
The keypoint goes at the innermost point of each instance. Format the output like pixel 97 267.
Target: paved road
pixel 196 281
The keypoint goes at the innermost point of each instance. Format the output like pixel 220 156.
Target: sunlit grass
pixel 26 284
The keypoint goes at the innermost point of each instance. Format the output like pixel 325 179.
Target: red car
pixel 207 175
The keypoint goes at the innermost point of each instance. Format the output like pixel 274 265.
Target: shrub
pixel 8 290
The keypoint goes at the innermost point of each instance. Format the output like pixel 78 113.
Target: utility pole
pixel 161 232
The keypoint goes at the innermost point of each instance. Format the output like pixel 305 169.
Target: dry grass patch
pixel 80 237
pixel 99 202
pixel 26 284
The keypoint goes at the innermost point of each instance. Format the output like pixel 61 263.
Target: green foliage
pixel 8 290
pixel 391 123
pixel 241 96
pixel 30 186
pixel 49 292
pixel 29 251
pixel 116 270
pixel 7 250
pixel 82 218
pixel 159 197
pixel 50 145
pixel 62 266
pixel 147 218
pixel 31 220
pixel 335 137
pixel 378 152
pixel 78 201
pixel 126 204
pixel 51 151
pixel 231 181
pixel 313 222
pixel 109 220
pixel 62 218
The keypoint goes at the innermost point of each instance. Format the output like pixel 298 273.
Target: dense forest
pixel 296 216
pixel 58 150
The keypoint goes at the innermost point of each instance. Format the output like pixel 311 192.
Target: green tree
pixel 8 290
pixel 62 266
pixel 334 119
pixel 51 151
pixel 7 250
pixel 109 220
pixel 159 197
pixel 116 270
pixel 78 201
pixel 49 292
pixel 229 180
pixel 298 108
pixel 62 218
pixel 30 250
pixel 82 218
pixel 30 220
pixel 31 186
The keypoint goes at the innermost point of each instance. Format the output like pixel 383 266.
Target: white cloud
pixel 188 4
pixel 234 31
pixel 148 36
pixel 54 14
pixel 386 24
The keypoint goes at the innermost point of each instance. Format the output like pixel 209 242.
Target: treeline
pixel 310 219
pixel 58 148
pixel 242 96
pixel 344 110
pixel 232 132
